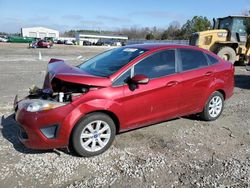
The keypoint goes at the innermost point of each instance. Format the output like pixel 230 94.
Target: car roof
pixel 159 46
pixel 155 46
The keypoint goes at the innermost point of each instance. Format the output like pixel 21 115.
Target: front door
pixel 157 100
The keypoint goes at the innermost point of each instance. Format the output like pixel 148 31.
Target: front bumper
pixel 44 129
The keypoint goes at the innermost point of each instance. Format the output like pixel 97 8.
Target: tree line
pixel 174 31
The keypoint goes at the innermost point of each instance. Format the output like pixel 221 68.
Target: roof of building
pixel 106 36
pixel 39 28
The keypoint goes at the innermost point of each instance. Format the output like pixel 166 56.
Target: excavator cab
pixel 236 27
pixel 229 38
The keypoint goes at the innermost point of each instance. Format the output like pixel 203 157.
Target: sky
pixel 65 15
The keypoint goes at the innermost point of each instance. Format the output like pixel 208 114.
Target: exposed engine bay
pixel 64 83
pixel 60 91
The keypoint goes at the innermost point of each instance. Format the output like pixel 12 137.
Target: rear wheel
pixel 213 107
pixel 227 53
pixel 93 135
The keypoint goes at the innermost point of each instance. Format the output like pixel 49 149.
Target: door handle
pixel 171 83
pixel 209 73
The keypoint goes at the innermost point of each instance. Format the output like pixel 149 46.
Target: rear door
pixel 197 77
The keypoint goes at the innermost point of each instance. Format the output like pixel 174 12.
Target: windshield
pixel 109 62
pixel 239 26
pixel 225 23
pixel 235 25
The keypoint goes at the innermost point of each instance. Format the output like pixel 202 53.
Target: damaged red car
pixel 41 44
pixel 84 107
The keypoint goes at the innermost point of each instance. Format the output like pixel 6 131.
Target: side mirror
pixel 136 80
pixel 140 79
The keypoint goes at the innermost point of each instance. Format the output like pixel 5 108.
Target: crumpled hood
pixel 63 71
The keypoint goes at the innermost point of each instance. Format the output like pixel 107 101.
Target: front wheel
pixel 213 107
pixel 93 135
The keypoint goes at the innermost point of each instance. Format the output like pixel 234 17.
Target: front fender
pixel 92 106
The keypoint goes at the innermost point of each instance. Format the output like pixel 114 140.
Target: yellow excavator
pixel 229 38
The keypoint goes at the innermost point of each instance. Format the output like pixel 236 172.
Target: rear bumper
pixel 43 130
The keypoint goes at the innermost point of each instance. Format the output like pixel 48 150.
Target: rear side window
pixel 157 65
pixel 212 59
pixel 192 59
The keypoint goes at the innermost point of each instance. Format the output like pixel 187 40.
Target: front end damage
pixel 60 91
pixel 42 115
pixel 62 83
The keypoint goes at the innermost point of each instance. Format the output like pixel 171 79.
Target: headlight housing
pixel 37 105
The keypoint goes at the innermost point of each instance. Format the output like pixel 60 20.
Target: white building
pixel 67 38
pixel 94 38
pixel 39 32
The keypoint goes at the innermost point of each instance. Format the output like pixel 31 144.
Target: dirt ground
pixel 184 152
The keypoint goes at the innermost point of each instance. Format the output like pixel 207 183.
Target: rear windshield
pixel 109 62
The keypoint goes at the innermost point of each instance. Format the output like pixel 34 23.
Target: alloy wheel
pixel 215 106
pixel 95 136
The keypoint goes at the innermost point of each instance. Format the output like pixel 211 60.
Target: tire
pixel 227 53
pixel 86 142
pixel 214 107
pixel 48 46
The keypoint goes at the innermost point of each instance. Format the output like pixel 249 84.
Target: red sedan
pixel 122 89
pixel 41 44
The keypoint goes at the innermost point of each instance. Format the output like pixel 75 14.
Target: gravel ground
pixel 184 152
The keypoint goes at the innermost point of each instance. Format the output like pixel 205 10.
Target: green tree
pixel 150 36
pixel 165 35
pixel 196 24
pixel 3 33
pixel 173 32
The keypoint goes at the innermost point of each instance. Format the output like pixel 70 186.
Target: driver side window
pixel 157 65
pixel 121 80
